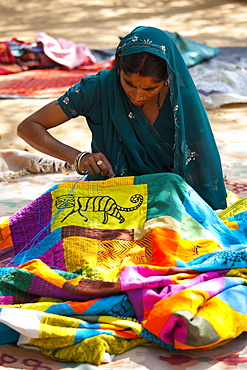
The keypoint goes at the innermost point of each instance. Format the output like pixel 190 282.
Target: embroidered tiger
pixel 104 203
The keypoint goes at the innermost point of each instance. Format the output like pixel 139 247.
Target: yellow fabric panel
pixel 122 253
pixel 132 324
pixel 53 337
pixel 100 259
pixel 240 272
pixel 92 349
pixel 125 208
pixel 99 273
pixel 229 323
pixel 38 306
pixel 56 331
pixel 54 320
pixel 79 251
pixel 116 181
pixel 197 248
pixel 234 209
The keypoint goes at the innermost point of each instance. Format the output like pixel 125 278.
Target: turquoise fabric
pixel 130 142
pixel 192 52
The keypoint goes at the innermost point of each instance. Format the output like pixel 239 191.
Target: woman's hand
pixel 96 163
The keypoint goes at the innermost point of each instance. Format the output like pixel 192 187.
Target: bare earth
pixel 99 24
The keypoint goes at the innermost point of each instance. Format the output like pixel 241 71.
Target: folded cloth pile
pixel 45 52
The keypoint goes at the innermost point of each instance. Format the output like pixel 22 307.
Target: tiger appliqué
pixel 105 204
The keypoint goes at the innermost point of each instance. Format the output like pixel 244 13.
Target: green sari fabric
pixel 134 146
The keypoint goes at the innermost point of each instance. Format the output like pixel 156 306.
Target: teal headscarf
pixel 132 144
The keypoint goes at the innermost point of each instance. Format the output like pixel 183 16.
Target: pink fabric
pixel 65 52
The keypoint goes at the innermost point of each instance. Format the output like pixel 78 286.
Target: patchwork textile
pixel 95 268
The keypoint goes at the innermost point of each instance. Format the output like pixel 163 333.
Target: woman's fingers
pixel 104 167
pixel 96 163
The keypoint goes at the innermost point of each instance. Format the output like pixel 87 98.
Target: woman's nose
pixel 137 93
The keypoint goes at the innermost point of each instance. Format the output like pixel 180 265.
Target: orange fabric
pixel 164 239
pixel 5 236
pixel 80 307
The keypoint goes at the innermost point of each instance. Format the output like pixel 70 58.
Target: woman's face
pixel 140 89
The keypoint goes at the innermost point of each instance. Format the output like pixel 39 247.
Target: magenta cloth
pixel 65 52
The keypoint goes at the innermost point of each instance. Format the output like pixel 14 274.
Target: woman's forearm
pixel 34 130
pixel 40 139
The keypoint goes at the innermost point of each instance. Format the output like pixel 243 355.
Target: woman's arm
pixel 34 130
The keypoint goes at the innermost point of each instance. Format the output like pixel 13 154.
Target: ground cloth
pixel 91 268
pixel 45 83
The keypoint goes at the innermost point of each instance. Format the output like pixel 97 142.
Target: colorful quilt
pixel 93 269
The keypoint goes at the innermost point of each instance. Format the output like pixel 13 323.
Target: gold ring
pixel 99 163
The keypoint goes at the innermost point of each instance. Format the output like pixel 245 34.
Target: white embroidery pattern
pixel 190 156
pixel 66 101
pixel 136 39
pixel 131 115
pixel 77 90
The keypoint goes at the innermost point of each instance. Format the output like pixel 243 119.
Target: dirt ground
pixel 99 24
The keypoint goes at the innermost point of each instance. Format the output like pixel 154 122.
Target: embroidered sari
pixel 130 142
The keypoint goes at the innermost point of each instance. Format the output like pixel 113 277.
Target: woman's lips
pixel 136 102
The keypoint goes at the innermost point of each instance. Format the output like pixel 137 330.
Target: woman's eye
pixel 150 89
pixel 147 89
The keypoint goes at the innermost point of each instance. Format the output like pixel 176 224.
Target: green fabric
pixel 193 52
pixel 130 142
pixel 166 128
